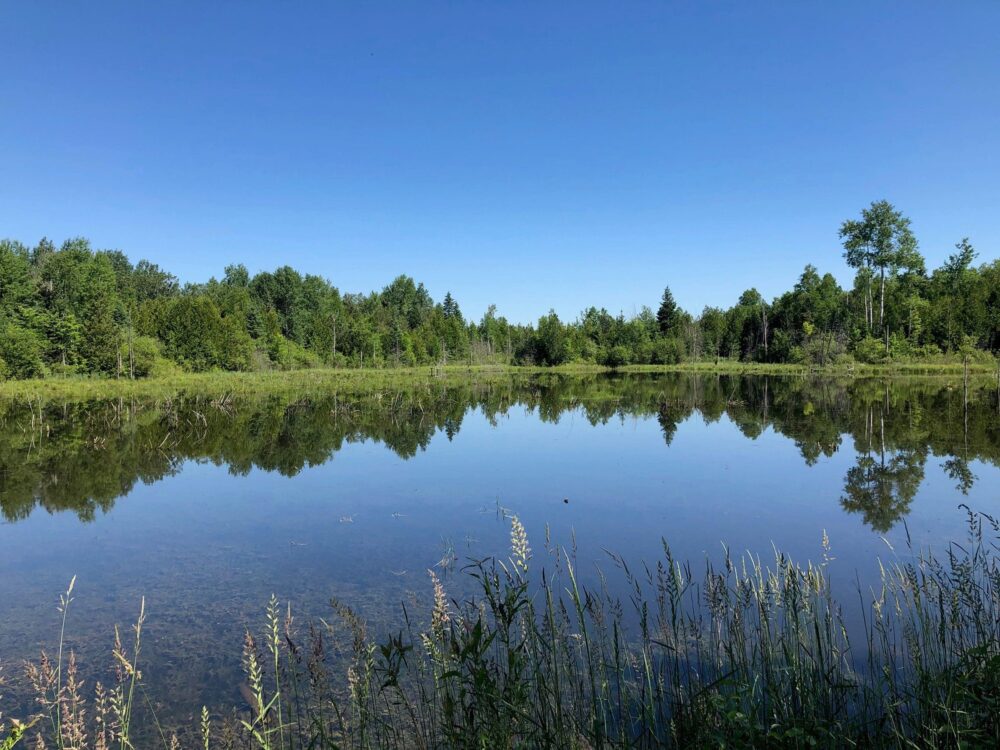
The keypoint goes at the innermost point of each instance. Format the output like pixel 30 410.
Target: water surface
pixel 208 506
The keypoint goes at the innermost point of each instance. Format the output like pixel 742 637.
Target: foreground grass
pixel 745 654
pixel 237 383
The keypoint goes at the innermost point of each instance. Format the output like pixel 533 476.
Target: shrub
pixel 795 355
pixel 667 352
pixel 145 351
pixel 288 355
pixel 870 351
pixel 588 351
pixel 616 356
pixel 823 349
pixel 147 358
pixel 21 351
pixel 59 370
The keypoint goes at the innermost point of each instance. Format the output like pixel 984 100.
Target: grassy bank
pixel 745 654
pixel 211 383
pixel 853 369
pixel 237 383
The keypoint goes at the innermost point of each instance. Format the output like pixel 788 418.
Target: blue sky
pixel 530 155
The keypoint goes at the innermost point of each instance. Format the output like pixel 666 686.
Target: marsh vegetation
pixel 746 654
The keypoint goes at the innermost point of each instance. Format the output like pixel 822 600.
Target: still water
pixel 208 506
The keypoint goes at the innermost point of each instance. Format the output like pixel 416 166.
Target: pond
pixel 207 506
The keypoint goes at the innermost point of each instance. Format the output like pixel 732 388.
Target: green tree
pixel 15 276
pixel 958 310
pixel 666 315
pixel 880 241
pixel 151 282
pixel 20 352
pixel 99 302
pixel 551 345
pixel 713 329
pixel 197 336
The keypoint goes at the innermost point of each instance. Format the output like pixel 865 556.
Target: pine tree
pixel 449 306
pixel 666 316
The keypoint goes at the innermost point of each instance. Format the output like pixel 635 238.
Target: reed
pixel 744 653
pixel 227 384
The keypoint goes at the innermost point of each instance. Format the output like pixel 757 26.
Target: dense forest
pixel 76 310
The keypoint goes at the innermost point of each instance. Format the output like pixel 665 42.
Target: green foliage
pixel 551 341
pixel 197 337
pixel 85 306
pixel 287 355
pixel 870 351
pixel 143 356
pixel 906 348
pixel 149 281
pixel 616 356
pixel 881 243
pixel 666 314
pixel 15 275
pixel 667 352
pixel 21 352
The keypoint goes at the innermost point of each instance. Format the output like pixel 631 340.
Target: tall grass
pixel 79 388
pixel 745 653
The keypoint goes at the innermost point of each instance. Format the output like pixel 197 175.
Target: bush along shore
pixel 744 654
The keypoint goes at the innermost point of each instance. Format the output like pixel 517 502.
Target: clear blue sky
pixel 531 155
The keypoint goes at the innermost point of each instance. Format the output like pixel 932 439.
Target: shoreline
pixel 220 382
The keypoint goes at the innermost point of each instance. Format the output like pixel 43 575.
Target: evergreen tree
pixel 666 315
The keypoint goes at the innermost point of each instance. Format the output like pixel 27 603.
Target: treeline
pixel 74 310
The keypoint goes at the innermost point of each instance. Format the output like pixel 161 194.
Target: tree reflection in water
pixel 81 457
